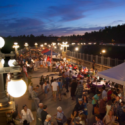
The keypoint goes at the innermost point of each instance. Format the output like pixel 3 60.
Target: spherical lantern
pixel 16 88
pixel 3 61
pixel 11 61
pixel 2 42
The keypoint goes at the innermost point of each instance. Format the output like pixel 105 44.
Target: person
pixel 79 107
pixel 79 91
pixel 47 79
pixel 95 99
pixel 67 83
pixel 26 115
pixel 93 64
pixel 85 101
pixel 30 89
pixel 83 119
pixel 104 93
pixel 109 93
pixel 109 118
pixel 60 115
pixel 42 80
pixel 98 120
pixel 108 106
pixel 122 116
pixel 49 64
pixel 38 114
pixel 45 88
pixel 69 122
pixel 60 86
pixel 102 107
pixel 44 114
pixel 73 88
pixel 77 121
pixel 52 80
pixel 48 120
pixel 119 110
pixel 55 88
pixel 74 115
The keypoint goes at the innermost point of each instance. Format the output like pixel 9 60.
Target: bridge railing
pixel 107 61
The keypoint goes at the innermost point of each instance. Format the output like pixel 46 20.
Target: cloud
pixel 117 21
pixel 76 9
pixel 9 6
pixel 19 26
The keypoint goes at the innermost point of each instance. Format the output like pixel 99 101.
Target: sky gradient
pixel 58 17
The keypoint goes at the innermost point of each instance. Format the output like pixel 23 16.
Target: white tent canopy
pixel 115 74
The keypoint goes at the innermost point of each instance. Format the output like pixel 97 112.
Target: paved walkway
pixel 67 104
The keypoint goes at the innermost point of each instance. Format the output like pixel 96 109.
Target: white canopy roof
pixel 115 74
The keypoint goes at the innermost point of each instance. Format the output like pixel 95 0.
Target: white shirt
pixel 27 115
pixel 54 86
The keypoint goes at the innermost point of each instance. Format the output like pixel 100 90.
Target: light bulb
pixel 11 61
pixel 2 61
pixel 2 42
pixel 16 88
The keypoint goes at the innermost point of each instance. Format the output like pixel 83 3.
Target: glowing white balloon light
pixel 3 61
pixel 11 61
pixel 16 88
pixel 2 42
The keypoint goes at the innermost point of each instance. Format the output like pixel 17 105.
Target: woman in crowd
pixel 47 79
pixel 85 101
pixel 42 80
pixel 109 118
pixel 48 120
pixel 45 88
pixel 26 116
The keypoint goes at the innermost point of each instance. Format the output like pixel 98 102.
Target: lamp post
pixel 65 44
pixel 16 46
pixel 36 45
pixel 4 101
pixel 26 46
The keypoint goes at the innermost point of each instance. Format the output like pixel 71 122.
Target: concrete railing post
pixel 108 62
pixel 102 60
pixel 96 59
pixel 91 58
pixel 87 57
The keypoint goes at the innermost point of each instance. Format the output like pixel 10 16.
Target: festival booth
pixel 49 53
pixel 115 74
pixel 45 51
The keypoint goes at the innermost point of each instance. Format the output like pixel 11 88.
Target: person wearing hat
pixel 79 106
pixel 44 114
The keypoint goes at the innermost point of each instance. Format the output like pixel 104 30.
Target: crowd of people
pixel 107 101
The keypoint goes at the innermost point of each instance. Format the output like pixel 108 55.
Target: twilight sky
pixel 58 17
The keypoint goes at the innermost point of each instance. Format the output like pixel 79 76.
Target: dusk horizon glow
pixel 59 18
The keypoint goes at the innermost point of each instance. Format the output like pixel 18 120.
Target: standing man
pixel 49 64
pixel 44 114
pixel 38 115
pixel 55 88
